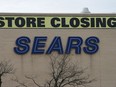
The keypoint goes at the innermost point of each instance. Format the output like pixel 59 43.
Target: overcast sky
pixel 57 6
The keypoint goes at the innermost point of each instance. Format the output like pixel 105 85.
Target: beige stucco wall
pixel 101 65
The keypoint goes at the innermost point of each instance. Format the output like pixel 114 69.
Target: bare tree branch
pixel 64 73
pixel 5 68
pixel 20 83
pixel 31 78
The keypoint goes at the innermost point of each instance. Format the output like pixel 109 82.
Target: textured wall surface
pixel 101 65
